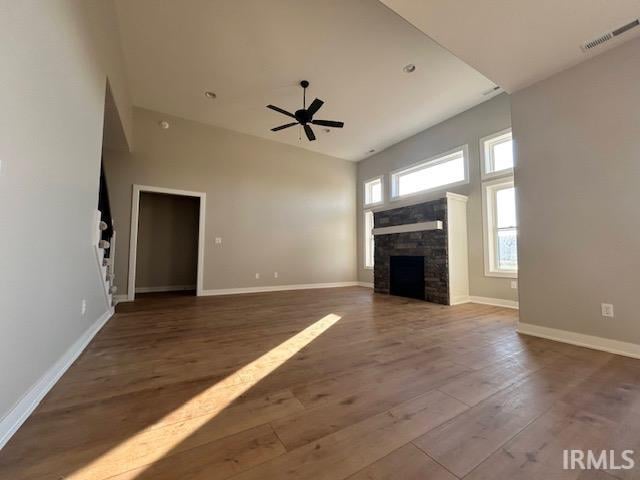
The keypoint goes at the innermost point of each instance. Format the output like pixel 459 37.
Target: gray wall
pixel 56 56
pixel 578 184
pixel 466 128
pixel 276 207
pixel 167 253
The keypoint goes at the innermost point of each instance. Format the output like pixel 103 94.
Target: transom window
pixel 497 154
pixel 442 171
pixel 373 191
pixel 501 228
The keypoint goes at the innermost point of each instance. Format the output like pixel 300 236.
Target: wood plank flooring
pixel 325 384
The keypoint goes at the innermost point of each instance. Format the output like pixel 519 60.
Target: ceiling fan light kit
pixel 304 116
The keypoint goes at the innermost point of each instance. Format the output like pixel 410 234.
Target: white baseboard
pixel 459 300
pixel 589 341
pixel 365 284
pixel 496 302
pixel 167 288
pixel 12 421
pixel 277 288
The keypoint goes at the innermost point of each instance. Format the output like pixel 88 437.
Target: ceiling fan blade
pixel 282 127
pixel 310 135
pixel 280 110
pixel 315 106
pixel 328 123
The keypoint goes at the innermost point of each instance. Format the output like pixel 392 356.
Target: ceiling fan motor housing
pixel 303 116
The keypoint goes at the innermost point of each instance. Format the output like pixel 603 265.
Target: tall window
pixel 501 228
pixel 497 154
pixel 368 239
pixel 373 191
pixel 499 205
pixel 444 170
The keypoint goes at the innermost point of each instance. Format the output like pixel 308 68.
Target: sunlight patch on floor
pixel 148 446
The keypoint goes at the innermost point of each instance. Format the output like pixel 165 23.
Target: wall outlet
pixel 275 274
pixel 514 284
pixel 218 240
pixel 607 309
pixel 257 276
pixel 83 307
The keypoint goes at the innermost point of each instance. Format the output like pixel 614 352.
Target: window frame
pixel 368 265
pixel 364 191
pixel 489 210
pixel 430 162
pixel 486 154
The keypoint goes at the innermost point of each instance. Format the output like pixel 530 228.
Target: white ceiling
pixel 517 43
pixel 254 52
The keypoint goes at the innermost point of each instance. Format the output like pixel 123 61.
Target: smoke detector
pixel 605 37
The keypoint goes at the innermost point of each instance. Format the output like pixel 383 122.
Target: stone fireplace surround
pixel 432 244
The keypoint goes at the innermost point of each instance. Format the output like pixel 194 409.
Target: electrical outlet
pixel 514 284
pixel 257 276
pixel 275 274
pixel 83 307
pixel 607 309
pixel 218 240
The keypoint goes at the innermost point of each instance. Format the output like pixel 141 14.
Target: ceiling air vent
pixel 491 90
pixel 596 42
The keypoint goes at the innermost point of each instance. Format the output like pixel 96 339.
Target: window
pixel 368 239
pixel 445 170
pixel 373 191
pixel 497 154
pixel 501 228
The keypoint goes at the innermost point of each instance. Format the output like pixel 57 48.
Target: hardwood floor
pixel 325 384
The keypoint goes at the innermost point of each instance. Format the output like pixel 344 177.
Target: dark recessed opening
pixel 407 276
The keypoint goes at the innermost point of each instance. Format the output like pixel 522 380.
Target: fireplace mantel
pixel 409 227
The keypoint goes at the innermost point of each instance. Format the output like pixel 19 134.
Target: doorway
pixel 167 241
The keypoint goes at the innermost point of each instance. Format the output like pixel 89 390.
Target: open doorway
pixel 167 247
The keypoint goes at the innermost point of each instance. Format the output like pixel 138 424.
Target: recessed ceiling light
pixel 163 124
pixel 410 68
pixel 210 95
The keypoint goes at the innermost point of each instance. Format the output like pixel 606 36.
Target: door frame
pixel 133 239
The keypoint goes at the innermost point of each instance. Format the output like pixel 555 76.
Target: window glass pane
pixel 507 249
pixel 376 192
pixel 503 155
pixel 431 177
pixel 506 207
pixel 373 191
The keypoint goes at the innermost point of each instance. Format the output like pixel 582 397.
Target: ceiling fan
pixel 304 116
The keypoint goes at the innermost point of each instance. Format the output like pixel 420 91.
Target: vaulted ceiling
pixel 254 52
pixel 517 43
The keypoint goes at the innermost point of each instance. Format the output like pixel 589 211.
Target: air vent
pixel 596 42
pixel 626 28
pixel 491 90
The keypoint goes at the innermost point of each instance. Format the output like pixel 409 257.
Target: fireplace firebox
pixel 407 276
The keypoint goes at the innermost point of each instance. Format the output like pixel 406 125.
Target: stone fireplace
pixel 431 236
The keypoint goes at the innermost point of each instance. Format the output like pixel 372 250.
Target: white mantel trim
pixel 409 227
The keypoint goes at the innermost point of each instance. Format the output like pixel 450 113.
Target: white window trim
pixel 488 220
pixel 366 239
pixel 431 161
pixel 486 156
pixel 364 192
